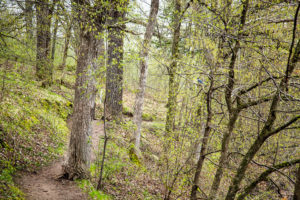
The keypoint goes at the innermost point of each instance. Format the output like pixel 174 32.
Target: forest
pixel 149 100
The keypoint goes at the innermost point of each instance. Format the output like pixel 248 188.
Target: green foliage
pixel 8 190
pixel 93 193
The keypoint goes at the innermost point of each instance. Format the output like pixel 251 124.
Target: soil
pixel 45 183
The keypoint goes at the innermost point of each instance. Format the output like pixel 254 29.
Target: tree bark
pixel 114 71
pixel 138 109
pixel 173 87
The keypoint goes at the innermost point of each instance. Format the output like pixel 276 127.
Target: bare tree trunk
pixel 78 162
pixel 173 87
pixel 114 71
pixel 138 109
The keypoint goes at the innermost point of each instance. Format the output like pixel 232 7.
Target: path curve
pixel 44 185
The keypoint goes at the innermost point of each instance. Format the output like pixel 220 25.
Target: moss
pixel 135 155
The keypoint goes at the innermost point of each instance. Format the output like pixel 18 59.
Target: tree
pixel 233 112
pixel 268 129
pixel 78 162
pixel 28 18
pixel 172 70
pixel 44 68
pixel 114 71
pixel 139 100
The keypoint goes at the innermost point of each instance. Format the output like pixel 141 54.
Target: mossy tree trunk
pixel 173 86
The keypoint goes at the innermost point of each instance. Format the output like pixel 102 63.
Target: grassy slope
pixel 33 127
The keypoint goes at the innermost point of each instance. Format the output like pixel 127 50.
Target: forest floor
pixel 45 184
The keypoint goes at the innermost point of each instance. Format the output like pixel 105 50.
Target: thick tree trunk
pixel 114 71
pixel 138 109
pixel 77 166
pixel 204 142
pixel 79 147
pixel 173 86
pixel 44 68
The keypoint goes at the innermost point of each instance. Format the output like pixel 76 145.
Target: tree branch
pixel 264 175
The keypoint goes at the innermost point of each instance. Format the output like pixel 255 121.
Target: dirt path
pixel 44 185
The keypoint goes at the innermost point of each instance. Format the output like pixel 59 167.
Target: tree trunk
pixel 44 68
pixel 173 87
pixel 138 109
pixel 114 71
pixel 204 142
pixel 78 163
pixel 233 112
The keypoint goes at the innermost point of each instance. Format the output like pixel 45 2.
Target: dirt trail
pixel 44 185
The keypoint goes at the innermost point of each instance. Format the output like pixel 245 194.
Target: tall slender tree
pixel 139 100
pixel 172 69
